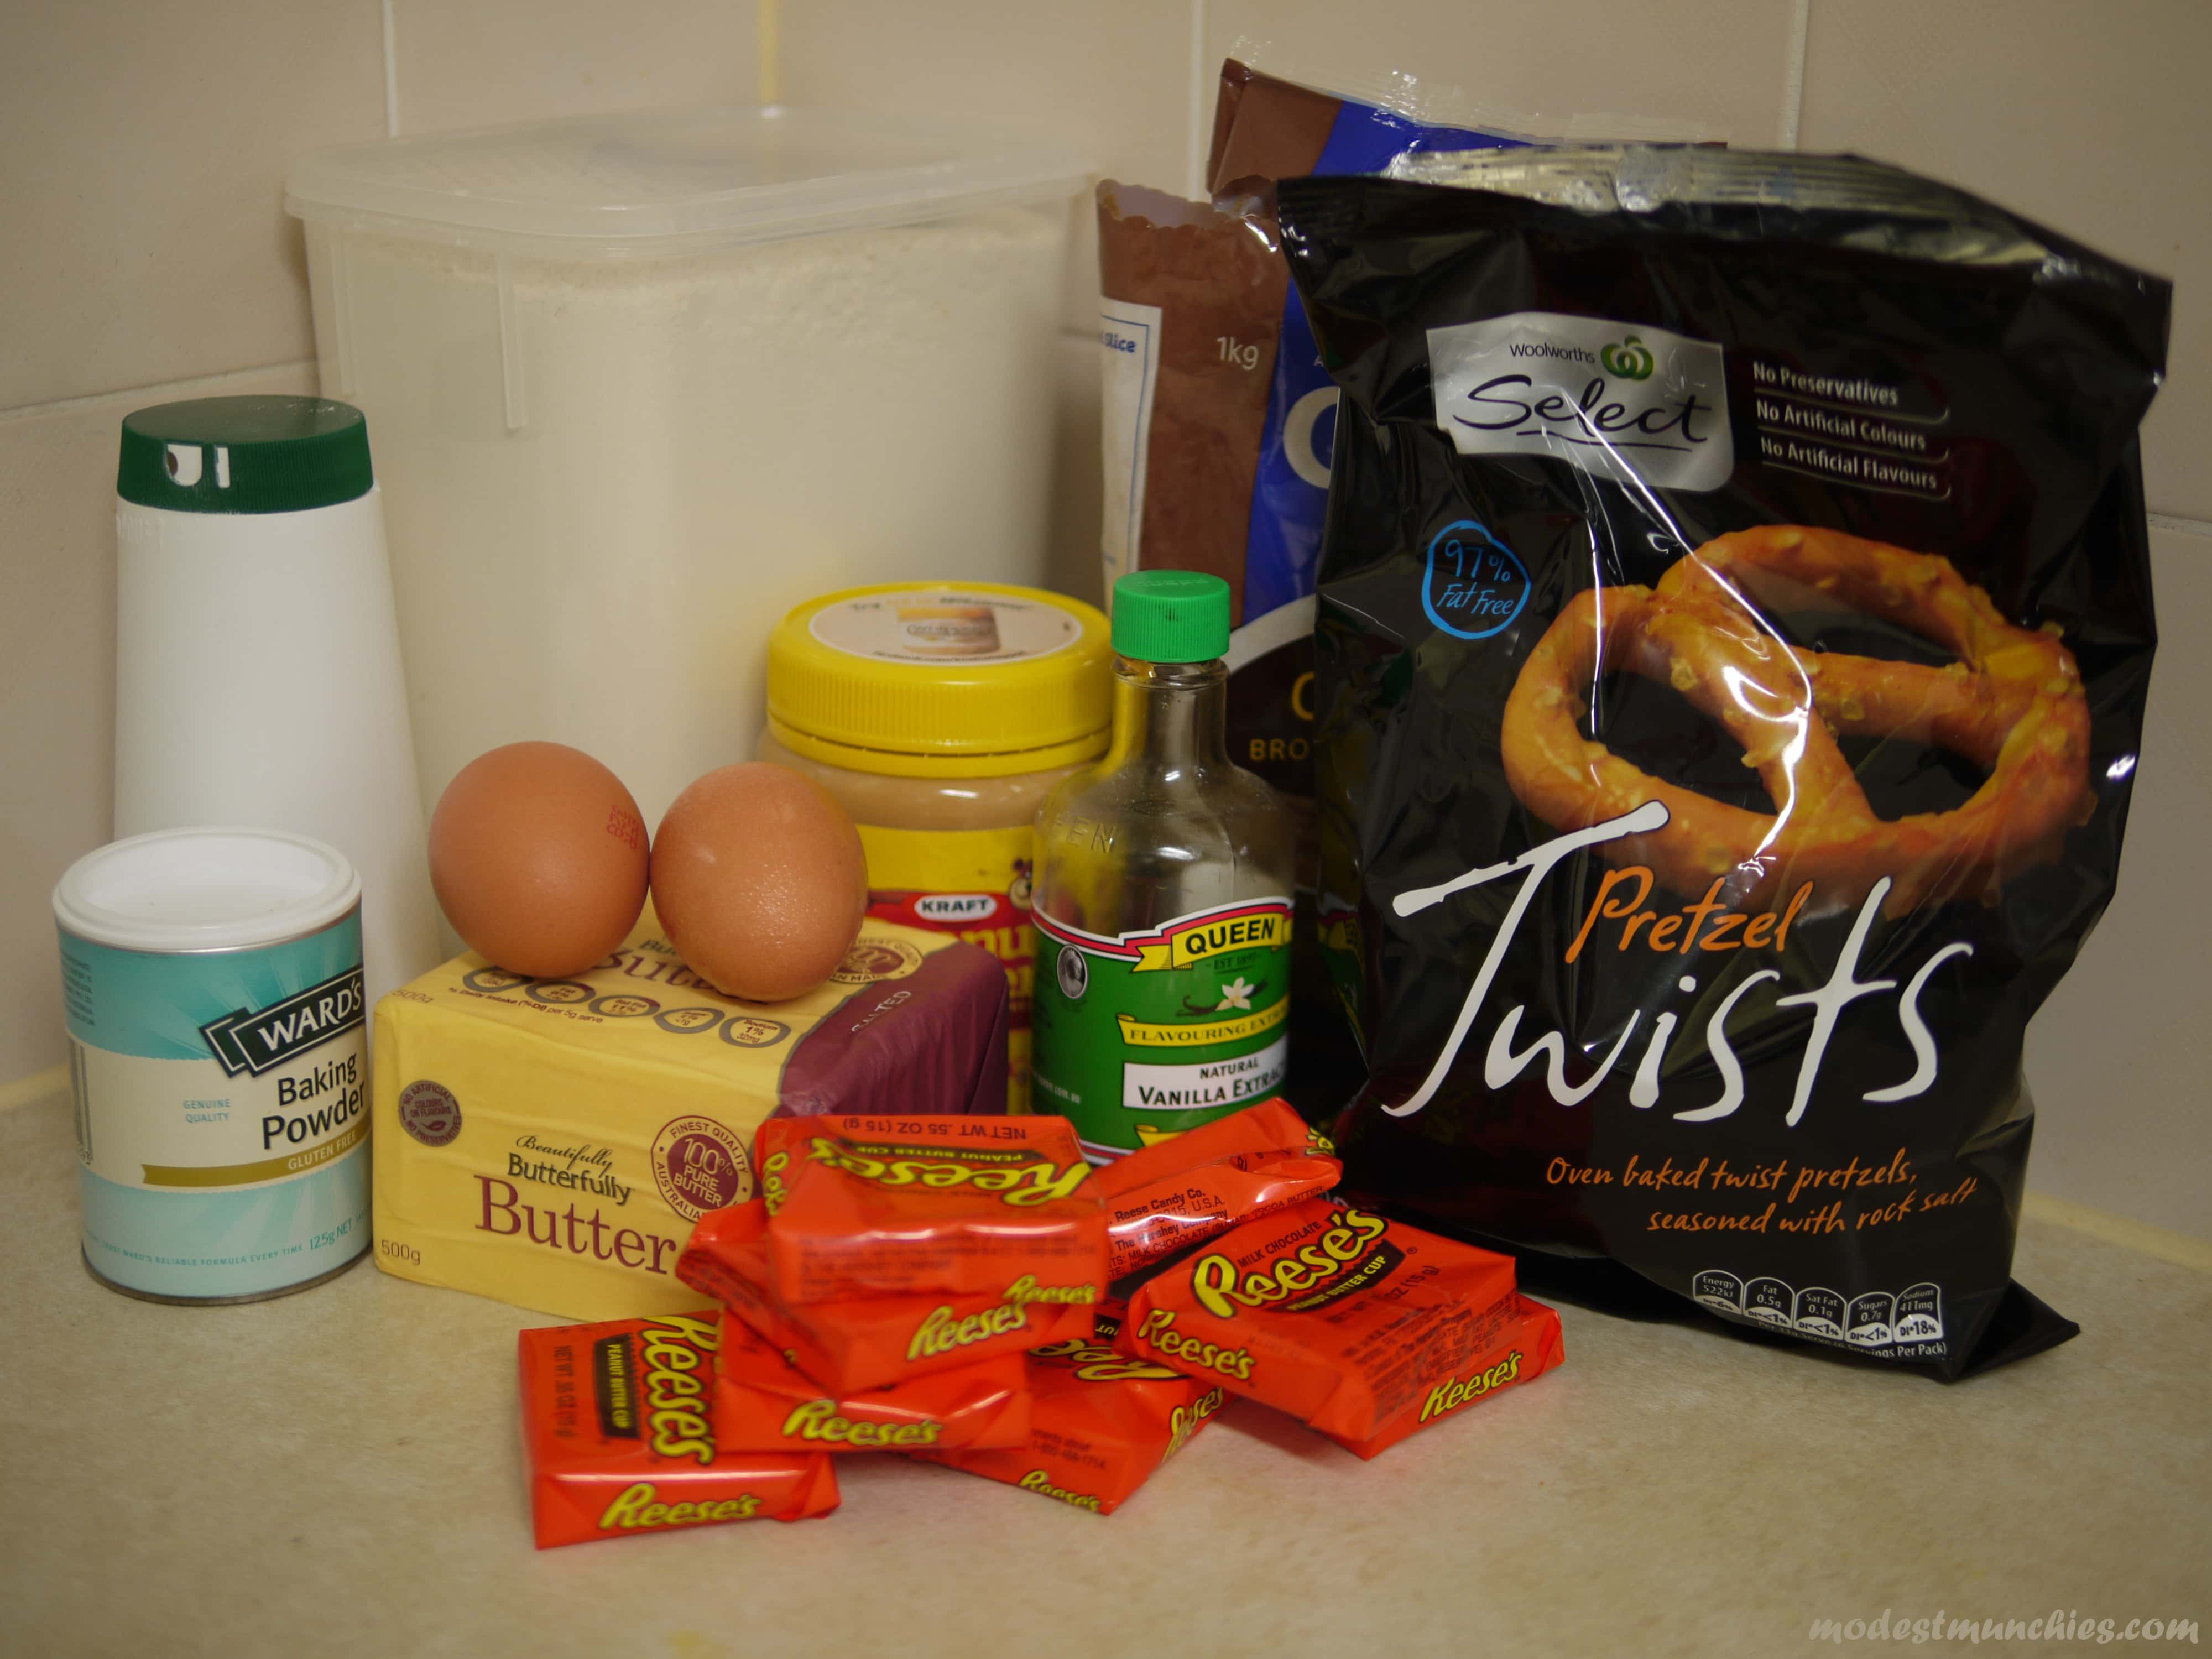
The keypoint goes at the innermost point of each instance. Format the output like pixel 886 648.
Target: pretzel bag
pixel 764 1403
pixel 872 1342
pixel 1362 1329
pixel 1181 1191
pixel 615 1427
pixel 1101 1423
pixel 1735 616
pixel 927 1206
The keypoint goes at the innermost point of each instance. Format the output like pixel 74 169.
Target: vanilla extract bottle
pixel 1163 894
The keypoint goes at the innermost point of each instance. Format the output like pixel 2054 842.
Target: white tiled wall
pixel 142 150
pixel 142 235
pixel 468 63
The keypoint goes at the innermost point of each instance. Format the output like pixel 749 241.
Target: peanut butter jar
pixel 940 715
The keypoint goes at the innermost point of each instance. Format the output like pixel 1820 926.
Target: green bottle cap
pixel 245 455
pixel 1170 616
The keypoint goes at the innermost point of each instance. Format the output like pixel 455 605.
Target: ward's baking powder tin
pixel 219 1058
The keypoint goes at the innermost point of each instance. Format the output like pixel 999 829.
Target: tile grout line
pixel 2179 525
pixel 1793 71
pixel 1201 135
pixel 190 384
pixel 2161 1243
pixel 391 74
pixel 39 1085
pixel 768 53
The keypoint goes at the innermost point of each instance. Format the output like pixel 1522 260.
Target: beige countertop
pixel 339 1473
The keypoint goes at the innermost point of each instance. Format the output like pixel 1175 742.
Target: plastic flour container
pixel 640 383
pixel 219 1056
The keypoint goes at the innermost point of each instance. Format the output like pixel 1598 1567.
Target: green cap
pixel 1170 616
pixel 245 455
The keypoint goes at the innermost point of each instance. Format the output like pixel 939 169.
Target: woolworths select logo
pixel 1640 405
pixel 252 1041
pixel 1631 358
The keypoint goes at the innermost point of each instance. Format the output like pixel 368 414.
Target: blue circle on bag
pixel 1474 584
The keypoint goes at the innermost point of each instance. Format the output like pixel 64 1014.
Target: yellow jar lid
pixel 950 679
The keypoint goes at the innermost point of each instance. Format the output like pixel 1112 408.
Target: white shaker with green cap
pixel 257 672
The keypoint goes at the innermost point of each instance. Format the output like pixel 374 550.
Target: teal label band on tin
pixel 221 1111
pixel 158 1003
pixel 227 1243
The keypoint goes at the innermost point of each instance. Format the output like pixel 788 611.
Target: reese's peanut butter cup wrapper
pixel 1101 1422
pixel 927 1206
pixel 1200 1183
pixel 616 1426
pixel 1360 1327
pixel 872 1342
pixel 1515 1341
pixel 765 1403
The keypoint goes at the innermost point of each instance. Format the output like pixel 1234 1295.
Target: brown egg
pixel 759 879
pixel 538 855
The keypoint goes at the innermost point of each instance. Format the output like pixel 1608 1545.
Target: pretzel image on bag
pixel 2010 703
pixel 1101 1423
pixel 1734 619
pixel 616 1421
pixel 874 1342
pixel 925 1205
pixel 1183 1190
pixel 1365 1329
pixel 762 1402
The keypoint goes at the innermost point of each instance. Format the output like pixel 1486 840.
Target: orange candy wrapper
pixel 1205 1180
pixel 1100 1423
pixel 1363 1329
pixel 864 1206
pixel 616 1426
pixel 763 1403
pixel 872 1342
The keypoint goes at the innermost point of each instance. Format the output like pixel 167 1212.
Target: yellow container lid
pixel 941 680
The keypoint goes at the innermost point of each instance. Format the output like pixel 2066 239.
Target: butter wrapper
pixel 550 1143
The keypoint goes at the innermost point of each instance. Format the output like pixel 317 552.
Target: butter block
pixel 550 1143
